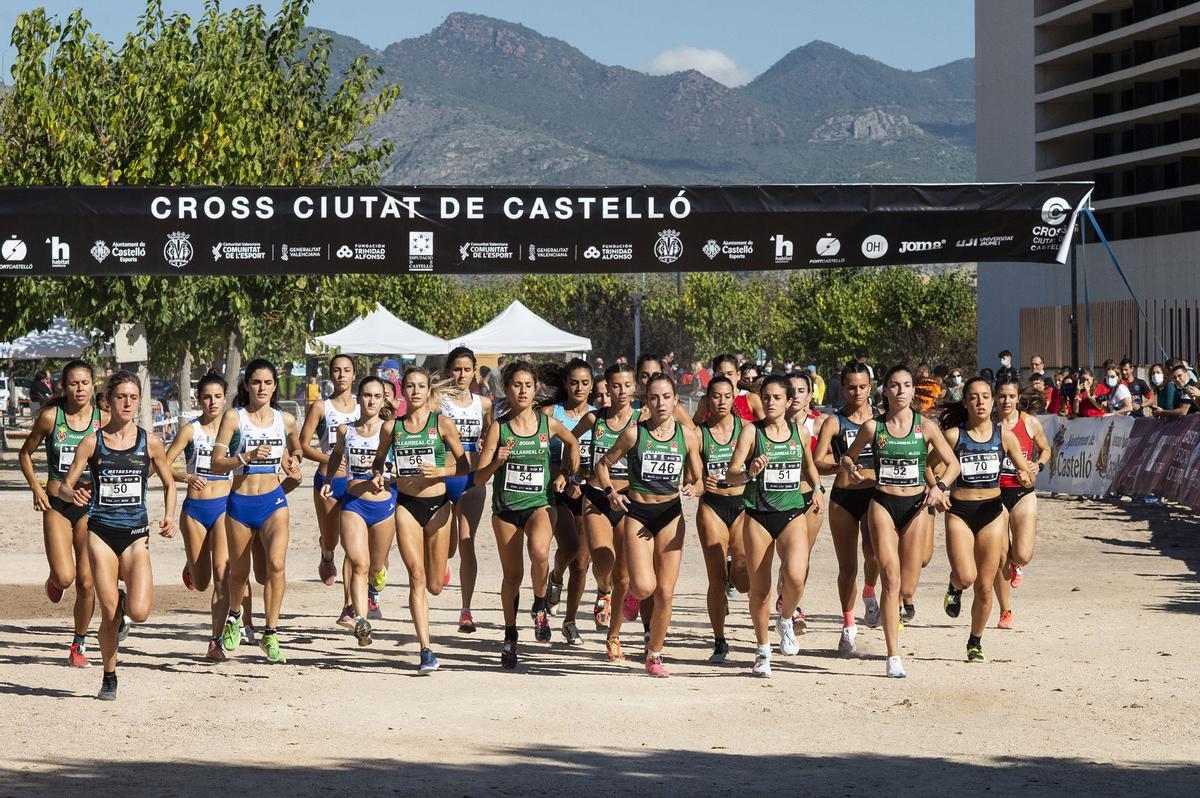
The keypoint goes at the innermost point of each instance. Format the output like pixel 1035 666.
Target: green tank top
pixel 899 462
pixel 716 455
pixel 62 442
pixel 522 482
pixel 777 487
pixel 411 449
pixel 655 466
pixel 603 439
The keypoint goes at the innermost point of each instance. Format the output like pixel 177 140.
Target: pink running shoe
pixel 1005 620
pixel 1018 576
pixel 187 579
pixel 327 571
pixel 446 576
pixel 655 667
pixel 53 591
pixel 631 607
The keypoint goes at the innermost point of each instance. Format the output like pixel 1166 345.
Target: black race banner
pixel 542 229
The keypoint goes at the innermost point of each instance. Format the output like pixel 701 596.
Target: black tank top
pixel 980 461
pixel 119 485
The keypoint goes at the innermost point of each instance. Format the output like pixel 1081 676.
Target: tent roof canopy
pixel 59 341
pixel 519 329
pixel 379 333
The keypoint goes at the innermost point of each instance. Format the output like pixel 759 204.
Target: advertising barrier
pixel 1163 458
pixel 1085 453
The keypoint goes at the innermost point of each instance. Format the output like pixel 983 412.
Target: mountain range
pixel 488 101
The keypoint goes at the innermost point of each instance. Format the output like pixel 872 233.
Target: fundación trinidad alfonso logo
pixel 178 250
pixel 669 246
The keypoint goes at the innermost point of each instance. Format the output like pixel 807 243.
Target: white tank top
pixel 360 452
pixel 253 436
pixel 469 420
pixel 199 454
pixel 333 419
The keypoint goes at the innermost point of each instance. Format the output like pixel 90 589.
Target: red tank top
pixel 1008 469
pixel 810 422
pixel 741 408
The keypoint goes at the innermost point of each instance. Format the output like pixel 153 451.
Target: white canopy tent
pixel 379 333
pixel 518 329
pixel 60 341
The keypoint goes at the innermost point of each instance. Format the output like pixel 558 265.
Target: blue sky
pixel 731 42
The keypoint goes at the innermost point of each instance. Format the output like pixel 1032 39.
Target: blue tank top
pixel 119 486
pixel 844 439
pixel 980 461
pixel 585 443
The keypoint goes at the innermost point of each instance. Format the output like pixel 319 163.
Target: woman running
pixel 471 413
pixel 419 442
pixel 601 521
pixel 119 457
pixel 567 510
pixel 258 507
pixel 323 418
pixel 719 515
pixel 1019 499
pixel 62 424
pixel 516 452
pixel 976 520
pixel 801 412
pixel 771 459
pixel 655 452
pixel 848 501
pixel 900 443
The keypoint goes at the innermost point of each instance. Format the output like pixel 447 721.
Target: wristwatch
pixel 940 486
pixel 575 479
pixel 608 491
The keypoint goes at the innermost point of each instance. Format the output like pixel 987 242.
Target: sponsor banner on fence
pixel 1163 459
pixel 1085 453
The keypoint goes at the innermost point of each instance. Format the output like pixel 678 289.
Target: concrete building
pixel 1108 91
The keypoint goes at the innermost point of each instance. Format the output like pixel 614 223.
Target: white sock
pixel 764 650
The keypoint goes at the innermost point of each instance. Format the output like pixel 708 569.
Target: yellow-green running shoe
pixel 379 580
pixel 231 634
pixel 269 643
pixel 975 654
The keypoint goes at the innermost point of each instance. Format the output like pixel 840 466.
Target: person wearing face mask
pixel 1158 382
pixel 1006 371
pixel 1178 398
pixel 1117 399
pixel 954 386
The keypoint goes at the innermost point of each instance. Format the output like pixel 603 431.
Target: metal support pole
pixel 637 324
pixel 1074 317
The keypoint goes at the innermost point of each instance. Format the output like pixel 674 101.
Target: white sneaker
pixel 895 668
pixel 846 645
pixel 762 667
pixel 872 617
pixel 788 644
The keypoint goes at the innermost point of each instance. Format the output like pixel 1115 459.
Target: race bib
pixel 66 456
pixel 898 473
pixel 274 458
pixel 585 451
pixel 982 467
pixel 409 461
pixel 781 476
pixel 661 465
pixel 717 468
pixel 469 430
pixel 360 460
pixel 618 471
pixel 524 478
pixel 120 491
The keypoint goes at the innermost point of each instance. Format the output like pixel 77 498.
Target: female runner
pixel 419 441
pixel 516 451
pixel 323 418
pixel 471 413
pixel 266 440
pixel 119 457
pixel 772 459
pixel 848 501
pixel 900 443
pixel 719 515
pixel 801 412
pixel 62 424
pixel 975 520
pixel 601 521
pixel 655 452
pixel 569 532
pixel 1020 500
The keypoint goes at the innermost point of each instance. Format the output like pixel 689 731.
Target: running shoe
pixel 77 656
pixel 730 590
pixel 466 624
pixel 1018 576
pixel 975 653
pixel 952 602
pixel 269 643
pixel 846 646
pixel 655 667
pixel 631 606
pixel 601 611
pixel 908 613
pixel 720 652
pixel 762 666
pixel 108 688
pixel 429 663
pixel 346 619
pixel 123 629
pixel 327 571
pixel 872 616
pixel 508 655
pixel 231 634
pixel 554 592
pixel 613 647
pixel 362 631
pixel 374 613
pixel 215 652
pixel 187 579
pixel 1005 621
pixel 571 633
pixel 247 634
pixel 541 626
pixel 379 580
pixel 53 591
pixel 446 576
pixel 895 668
pixel 788 645
pixel 799 622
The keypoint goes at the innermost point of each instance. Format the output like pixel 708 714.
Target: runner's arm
pixel 162 467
